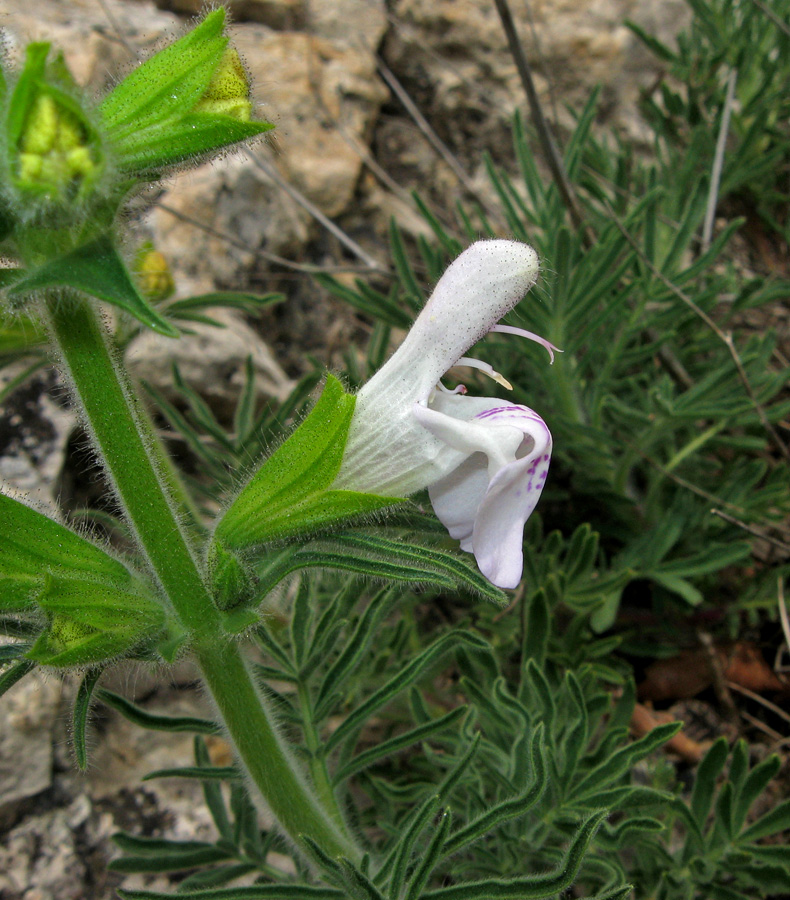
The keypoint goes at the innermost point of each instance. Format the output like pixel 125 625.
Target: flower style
pixel 483 460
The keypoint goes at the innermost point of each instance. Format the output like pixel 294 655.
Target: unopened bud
pixel 228 92
pixel 153 274
pixel 54 150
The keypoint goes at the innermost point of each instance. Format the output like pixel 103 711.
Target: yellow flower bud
pixel 56 150
pixel 228 92
pixel 153 274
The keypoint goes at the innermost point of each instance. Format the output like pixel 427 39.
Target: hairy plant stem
pixel 117 426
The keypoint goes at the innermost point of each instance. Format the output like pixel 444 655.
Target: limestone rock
pixel 26 729
pixel 322 96
pixel 281 14
pixel 455 61
pixel 211 361
pixel 34 432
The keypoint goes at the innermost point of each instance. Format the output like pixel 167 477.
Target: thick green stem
pixel 115 421
pixel 250 724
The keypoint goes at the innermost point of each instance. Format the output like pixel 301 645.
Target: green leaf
pixel 354 650
pixel 755 783
pixel 290 494
pixel 705 784
pixel 95 268
pixel 534 887
pixel 658 47
pixel 212 792
pixel 229 299
pixel 251 892
pixel 212 878
pixel 393 745
pixel 399 682
pixel 778 819
pixel 679 586
pixel 13 674
pixel 201 773
pixel 511 808
pixel 155 722
pixel 103 606
pixel 79 718
pixel 612 768
pixel 430 858
pixel 172 858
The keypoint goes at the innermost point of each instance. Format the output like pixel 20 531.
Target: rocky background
pixel 372 100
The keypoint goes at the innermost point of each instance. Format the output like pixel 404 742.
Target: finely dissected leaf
pixel 251 892
pixel 705 782
pixel 529 888
pixel 446 565
pixel 155 722
pixel 537 631
pixel 347 561
pixel 357 883
pixel 11 652
pixel 230 299
pixel 507 809
pixel 355 648
pixel 399 858
pixel 393 745
pixel 246 831
pixel 576 738
pixel 212 792
pixel 151 846
pixel 202 773
pixel 79 719
pixel 399 682
pixel 618 893
pixel 774 854
pixel 367 301
pixel 778 819
pixel 536 675
pixel 95 268
pixel 623 759
pixel 172 859
pixel 430 858
pixel 755 783
pixel 13 674
pixel 217 876
pixel 290 494
pixel 32 545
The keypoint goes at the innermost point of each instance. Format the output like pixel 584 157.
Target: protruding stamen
pixel 486 368
pixel 530 336
pixel 458 389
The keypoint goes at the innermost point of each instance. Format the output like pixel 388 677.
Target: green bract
pixel 95 607
pixel 290 494
pixel 90 622
pixel 189 99
pixel 34 546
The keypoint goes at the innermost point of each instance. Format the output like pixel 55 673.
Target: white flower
pixel 483 460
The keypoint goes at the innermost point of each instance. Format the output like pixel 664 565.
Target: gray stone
pixel 26 726
pixel 211 360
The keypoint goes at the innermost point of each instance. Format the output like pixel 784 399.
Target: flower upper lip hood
pixel 484 460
